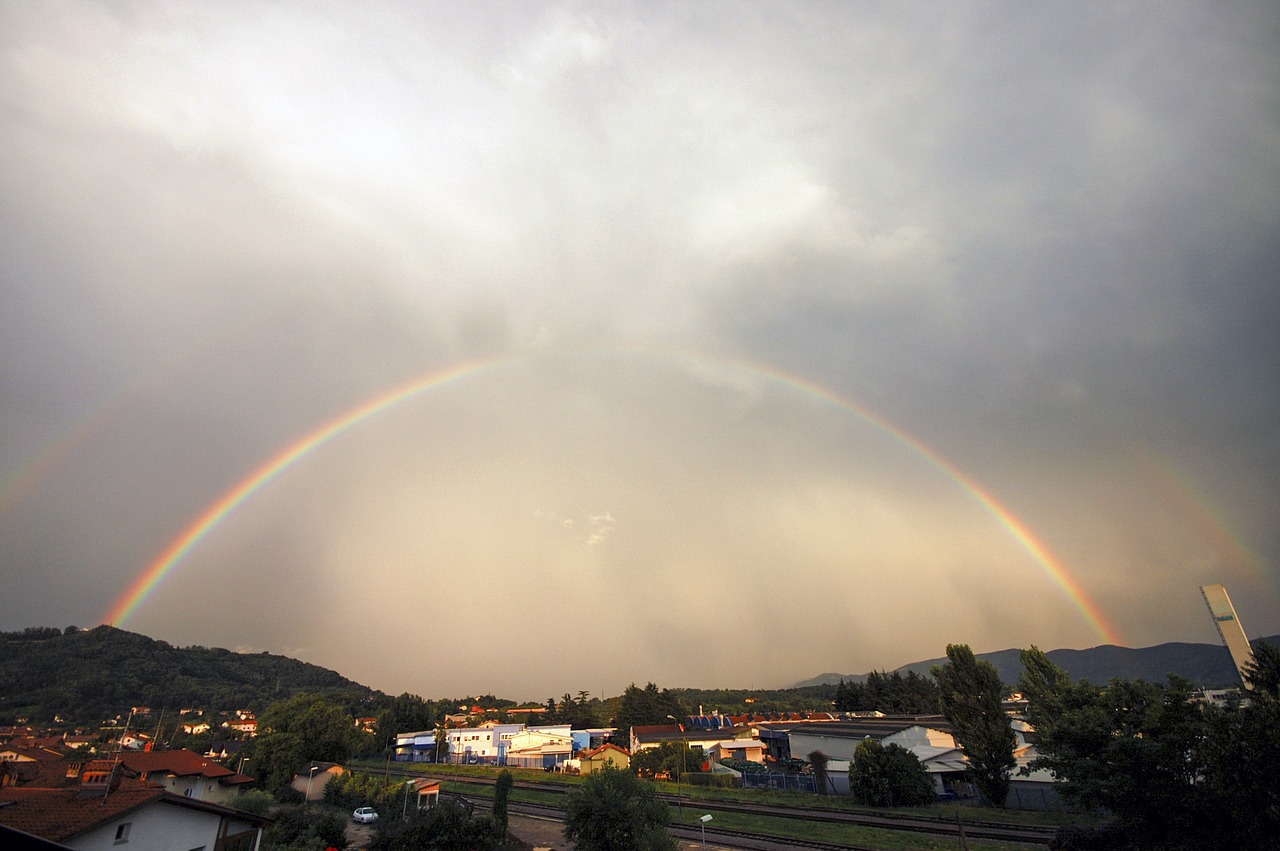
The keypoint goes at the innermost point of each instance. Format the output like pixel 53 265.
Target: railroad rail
pixel 1029 834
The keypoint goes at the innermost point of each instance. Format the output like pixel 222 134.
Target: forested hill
pixel 1207 665
pixel 89 675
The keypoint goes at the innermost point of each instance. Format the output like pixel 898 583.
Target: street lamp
pixel 684 757
pixel 704 820
pixel 404 811
pixel 309 779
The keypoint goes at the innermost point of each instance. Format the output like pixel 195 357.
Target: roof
pixel 740 744
pixel 35 754
pixel 51 805
pixel 182 763
pixel 609 746
pixel 876 728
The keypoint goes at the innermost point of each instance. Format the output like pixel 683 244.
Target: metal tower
pixel 1229 628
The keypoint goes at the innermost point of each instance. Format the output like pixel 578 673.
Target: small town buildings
pixel 94 806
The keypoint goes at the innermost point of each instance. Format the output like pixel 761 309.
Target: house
pixel 540 747
pixel 839 739
pixel 75 742
pixel 135 741
pixel 651 736
pixel 196 728
pixel 748 750
pixel 243 725
pixel 417 746
pixel 426 793
pixel 15 754
pixel 481 745
pixel 311 779
pixel 93 805
pixel 228 749
pixel 186 773
pixel 605 755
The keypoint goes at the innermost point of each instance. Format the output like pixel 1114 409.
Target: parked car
pixel 365 815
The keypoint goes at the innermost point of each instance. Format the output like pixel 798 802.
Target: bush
pixel 889 776
pixel 449 826
pixel 289 795
pixel 616 811
pixel 254 801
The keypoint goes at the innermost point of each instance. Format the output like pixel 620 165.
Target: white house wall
pixel 155 827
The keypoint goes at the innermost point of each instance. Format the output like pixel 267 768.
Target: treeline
pixel 890 693
pixel 104 671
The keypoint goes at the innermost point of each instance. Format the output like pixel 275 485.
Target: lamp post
pixel 684 759
pixel 310 776
pixel 404 811
pixel 704 819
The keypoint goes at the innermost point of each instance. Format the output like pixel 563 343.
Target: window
pixel 122 832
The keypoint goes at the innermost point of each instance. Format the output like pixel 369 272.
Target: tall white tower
pixel 1229 628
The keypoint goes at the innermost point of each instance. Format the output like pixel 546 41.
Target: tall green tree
pixel 616 811
pixel 501 793
pixel 406 713
pixel 643 706
pixel 970 694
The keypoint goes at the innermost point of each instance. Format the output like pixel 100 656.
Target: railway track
pixel 722 837
pixel 915 824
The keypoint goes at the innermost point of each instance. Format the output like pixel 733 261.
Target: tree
pixel 446 827
pixel 672 758
pixel 406 713
pixel 1262 675
pixel 616 811
pixel 888 776
pixel 818 760
pixel 1172 772
pixel 501 792
pixel 643 706
pixel 970 694
pixel 305 728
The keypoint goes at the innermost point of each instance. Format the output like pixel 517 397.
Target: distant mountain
pixel 87 675
pixel 1206 665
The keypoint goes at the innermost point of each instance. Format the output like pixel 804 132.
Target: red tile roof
pixel 605 747
pixel 183 763
pixel 62 811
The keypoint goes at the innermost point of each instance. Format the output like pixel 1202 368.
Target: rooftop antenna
pixel 1229 628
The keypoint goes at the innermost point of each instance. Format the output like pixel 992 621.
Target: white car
pixel 365 815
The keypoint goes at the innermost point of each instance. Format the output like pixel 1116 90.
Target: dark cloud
pixel 1038 242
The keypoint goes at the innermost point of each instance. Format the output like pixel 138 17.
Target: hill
pixel 89 675
pixel 1207 665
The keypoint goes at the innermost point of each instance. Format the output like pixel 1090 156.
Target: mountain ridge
pixel 1206 665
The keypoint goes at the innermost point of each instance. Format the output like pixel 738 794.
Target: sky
pixel 526 348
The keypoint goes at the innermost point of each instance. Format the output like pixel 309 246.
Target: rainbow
pixel 1199 508
pixel 55 451
pixel 150 578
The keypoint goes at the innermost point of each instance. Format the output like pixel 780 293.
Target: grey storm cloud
pixel 780 325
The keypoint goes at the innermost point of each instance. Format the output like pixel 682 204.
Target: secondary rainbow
pixel 168 559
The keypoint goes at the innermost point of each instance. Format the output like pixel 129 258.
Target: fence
pixel 770 780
